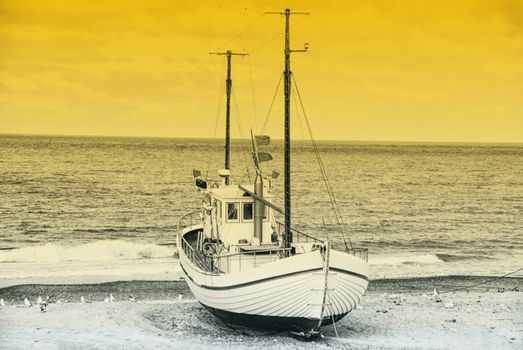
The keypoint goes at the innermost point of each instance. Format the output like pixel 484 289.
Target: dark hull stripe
pixel 299 324
pixel 239 285
pixel 272 278
pixel 347 272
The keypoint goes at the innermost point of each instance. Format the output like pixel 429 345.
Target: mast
pixel 287 135
pixel 228 87
pixel 287 237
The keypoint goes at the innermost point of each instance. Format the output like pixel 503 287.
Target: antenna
pixel 228 53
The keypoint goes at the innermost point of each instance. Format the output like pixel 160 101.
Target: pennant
pixel 262 140
pixel 264 157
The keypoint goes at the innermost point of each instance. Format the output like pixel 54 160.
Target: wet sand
pixel 394 314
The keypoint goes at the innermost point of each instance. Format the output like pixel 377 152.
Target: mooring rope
pixel 482 282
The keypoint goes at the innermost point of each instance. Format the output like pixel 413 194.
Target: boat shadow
pixel 189 319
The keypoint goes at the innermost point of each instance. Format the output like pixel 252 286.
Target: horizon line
pixel 235 138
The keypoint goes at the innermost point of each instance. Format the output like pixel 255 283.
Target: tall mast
pixel 287 238
pixel 228 88
pixel 287 134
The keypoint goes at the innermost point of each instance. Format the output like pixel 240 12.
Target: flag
pixel 262 140
pixel 264 157
pixel 196 173
pixel 275 174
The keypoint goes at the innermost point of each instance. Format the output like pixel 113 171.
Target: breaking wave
pixel 424 259
pixel 95 251
pixel 413 259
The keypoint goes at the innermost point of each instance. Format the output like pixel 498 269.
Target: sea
pixel 79 209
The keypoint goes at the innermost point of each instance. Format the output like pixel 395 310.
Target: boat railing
pixel 189 220
pixel 301 237
pixel 360 252
pixel 200 259
pixel 238 261
pixel 298 236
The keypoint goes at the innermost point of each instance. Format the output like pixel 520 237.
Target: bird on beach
pixel 42 303
pixel 131 298
pixel 82 299
pixel 26 302
pixel 2 302
pixel 436 296
pixel 106 300
pixel 111 298
pixel 180 297
pixel 43 307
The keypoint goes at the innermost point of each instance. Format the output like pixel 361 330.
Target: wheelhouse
pixel 229 217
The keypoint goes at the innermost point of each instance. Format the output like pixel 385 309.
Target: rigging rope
pixel 277 35
pixel 272 104
pixel 253 99
pixel 218 112
pixel 241 32
pixel 299 116
pixel 330 192
pixel 242 140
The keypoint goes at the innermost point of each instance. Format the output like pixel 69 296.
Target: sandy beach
pixel 395 314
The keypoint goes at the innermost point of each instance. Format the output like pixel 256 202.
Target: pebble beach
pixel 467 313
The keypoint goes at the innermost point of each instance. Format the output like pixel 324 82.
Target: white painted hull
pixel 284 294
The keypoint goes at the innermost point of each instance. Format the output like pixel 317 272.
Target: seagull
pixel 449 305
pixel 82 299
pixel 131 298
pixel 106 300
pixel 180 297
pixel 26 302
pixel 436 296
pixel 41 303
pixel 2 302
pixel 111 298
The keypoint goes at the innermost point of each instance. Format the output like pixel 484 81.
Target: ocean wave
pixel 420 259
pixel 95 251
pixel 456 257
pixel 412 259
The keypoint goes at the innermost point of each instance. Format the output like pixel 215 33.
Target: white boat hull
pixel 286 294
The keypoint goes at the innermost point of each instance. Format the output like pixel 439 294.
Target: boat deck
pixel 238 258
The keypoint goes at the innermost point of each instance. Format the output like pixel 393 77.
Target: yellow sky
pixel 405 70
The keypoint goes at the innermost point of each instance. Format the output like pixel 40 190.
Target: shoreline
pixel 171 289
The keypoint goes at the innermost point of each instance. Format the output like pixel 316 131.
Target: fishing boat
pixel 247 268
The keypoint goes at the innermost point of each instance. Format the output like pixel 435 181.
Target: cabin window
pixel 232 211
pixel 219 209
pixel 247 211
